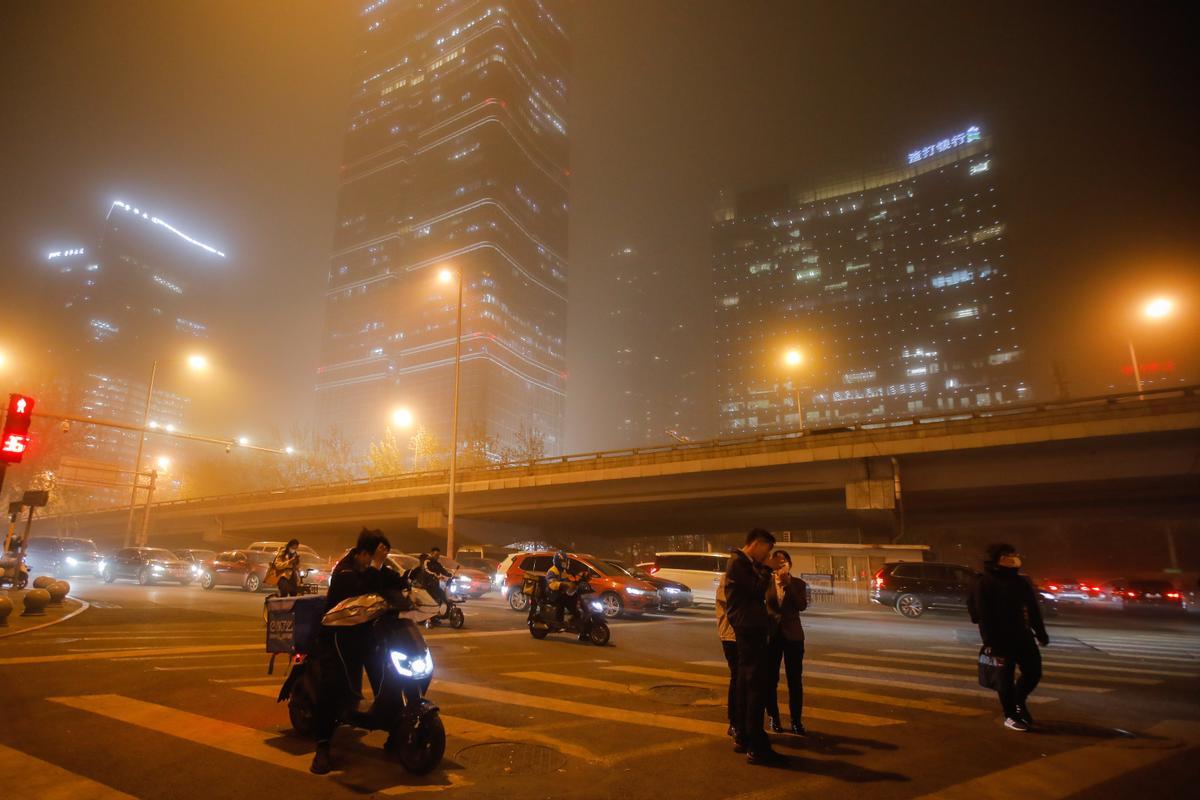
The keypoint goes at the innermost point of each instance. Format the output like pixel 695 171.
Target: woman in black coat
pixel 787 596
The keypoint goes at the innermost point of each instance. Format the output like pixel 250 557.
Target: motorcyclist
pixel 428 570
pixel 562 585
pixel 286 565
pixel 342 651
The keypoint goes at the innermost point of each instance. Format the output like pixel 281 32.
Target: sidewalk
pixel 19 624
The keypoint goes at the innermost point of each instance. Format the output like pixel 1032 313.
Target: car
pixel 488 565
pixel 672 595
pixel 273 548
pixel 146 565
pixel 62 556
pixel 701 572
pixel 198 559
pixel 1141 593
pixel 315 570
pixel 620 593
pixel 245 569
pixel 913 587
pixel 1070 590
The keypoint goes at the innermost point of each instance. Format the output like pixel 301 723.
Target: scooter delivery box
pixel 292 622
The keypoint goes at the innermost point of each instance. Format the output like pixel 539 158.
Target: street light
pixel 1155 309
pixel 163 463
pixel 447 276
pixel 197 362
pixel 793 358
pixel 402 418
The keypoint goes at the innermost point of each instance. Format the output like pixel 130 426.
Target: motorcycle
pixel 422 598
pixel 13 571
pixel 404 666
pixel 585 618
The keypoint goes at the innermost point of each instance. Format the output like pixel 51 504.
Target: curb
pixel 84 605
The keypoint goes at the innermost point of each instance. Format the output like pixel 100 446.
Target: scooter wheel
pixel 457 618
pixel 599 634
pixel 538 631
pixel 422 750
pixel 300 712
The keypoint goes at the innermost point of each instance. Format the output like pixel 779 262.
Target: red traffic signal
pixel 15 439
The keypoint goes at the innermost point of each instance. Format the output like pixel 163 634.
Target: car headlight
pixel 72 561
pixel 633 591
pixel 157 568
pixel 103 565
pixel 195 569
pixel 462 579
pixel 596 605
pixel 418 667
pixel 671 590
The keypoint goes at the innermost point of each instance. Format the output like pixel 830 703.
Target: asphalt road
pixel 162 692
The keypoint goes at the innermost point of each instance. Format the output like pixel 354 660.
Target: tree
pixel 530 446
pixel 480 448
pixel 428 453
pixel 385 457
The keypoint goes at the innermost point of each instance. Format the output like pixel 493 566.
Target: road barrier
pixel 36 601
pixel 42 581
pixel 5 610
pixel 58 591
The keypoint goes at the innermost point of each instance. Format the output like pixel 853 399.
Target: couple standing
pixel 758 618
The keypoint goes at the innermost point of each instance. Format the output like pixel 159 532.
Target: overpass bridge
pixel 1118 456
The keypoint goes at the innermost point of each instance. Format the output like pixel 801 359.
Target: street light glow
pixel 163 463
pixel 793 358
pixel 289 450
pixel 243 441
pixel 446 275
pixel 197 362
pixel 402 418
pixel 1158 308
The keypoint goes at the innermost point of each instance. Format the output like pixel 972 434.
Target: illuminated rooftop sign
pixel 971 134
pixel 168 226
pixel 78 251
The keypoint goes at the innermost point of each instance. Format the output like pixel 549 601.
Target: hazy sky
pixel 227 117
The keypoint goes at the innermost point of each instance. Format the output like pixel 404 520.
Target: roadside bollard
pixel 35 603
pixel 5 610
pixel 58 591
pixel 42 581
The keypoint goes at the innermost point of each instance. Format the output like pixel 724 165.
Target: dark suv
pixel 911 587
pixel 146 565
pixel 62 557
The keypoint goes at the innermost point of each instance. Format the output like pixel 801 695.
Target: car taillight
pixel 1054 587
pixel 1131 594
pixel 1174 595
pixel 652 569
pixel 878 582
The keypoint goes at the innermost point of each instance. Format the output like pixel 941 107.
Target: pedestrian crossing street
pixel 557 693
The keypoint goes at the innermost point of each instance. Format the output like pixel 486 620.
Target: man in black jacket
pixel 746 583
pixel 1004 605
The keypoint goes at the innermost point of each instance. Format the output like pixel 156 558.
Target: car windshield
pixel 625 569
pixel 307 560
pixel 79 545
pixel 160 553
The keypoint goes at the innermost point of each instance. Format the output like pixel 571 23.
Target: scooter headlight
pixel 418 667
pixel 596 605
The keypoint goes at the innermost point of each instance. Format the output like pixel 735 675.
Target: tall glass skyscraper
pixel 455 156
pixel 893 288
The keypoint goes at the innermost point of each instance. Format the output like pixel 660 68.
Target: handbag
pixel 991 669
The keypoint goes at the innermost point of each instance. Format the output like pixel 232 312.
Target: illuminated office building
pixel 141 295
pixel 455 157
pixel 894 287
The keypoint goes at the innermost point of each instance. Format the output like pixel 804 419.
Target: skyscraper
pixel 455 157
pixel 892 290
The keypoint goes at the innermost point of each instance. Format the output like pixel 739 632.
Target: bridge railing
pixel 676 450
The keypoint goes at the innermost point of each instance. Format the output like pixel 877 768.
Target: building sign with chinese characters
pixel 971 134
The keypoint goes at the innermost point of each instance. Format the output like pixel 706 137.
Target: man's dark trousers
pixel 752 662
pixel 1028 658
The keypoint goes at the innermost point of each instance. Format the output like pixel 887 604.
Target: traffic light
pixel 15 439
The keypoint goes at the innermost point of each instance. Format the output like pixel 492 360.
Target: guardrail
pixel 675 450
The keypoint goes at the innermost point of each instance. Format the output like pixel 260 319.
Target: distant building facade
pixel 894 288
pixel 455 157
pixel 140 295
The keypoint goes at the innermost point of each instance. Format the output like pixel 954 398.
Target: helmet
pixel 561 560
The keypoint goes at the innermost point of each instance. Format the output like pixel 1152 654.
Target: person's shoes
pixel 739 746
pixel 1015 725
pixel 766 757
pixel 321 763
pixel 731 732
pixel 776 725
pixel 798 728
pixel 1024 715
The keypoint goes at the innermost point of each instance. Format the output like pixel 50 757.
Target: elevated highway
pixel 1113 456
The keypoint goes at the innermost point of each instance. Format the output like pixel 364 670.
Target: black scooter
pixel 452 615
pixel 584 619
pixel 417 737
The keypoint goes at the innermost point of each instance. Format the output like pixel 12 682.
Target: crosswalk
pixel 558 696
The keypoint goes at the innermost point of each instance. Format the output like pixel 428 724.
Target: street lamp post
pixel 794 358
pixel 1156 309
pixel 137 461
pixel 446 276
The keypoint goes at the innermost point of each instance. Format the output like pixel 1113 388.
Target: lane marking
pixel 1059 662
pixel 937 688
pixel 1067 774
pixel 571 680
pixel 243 665
pixel 916 673
pixel 936 706
pixel 974 669
pixel 84 605
pixel 46 781
pixel 1119 658
pixel 107 654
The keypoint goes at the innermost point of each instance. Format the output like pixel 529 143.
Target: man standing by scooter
pixel 431 570
pixel 342 651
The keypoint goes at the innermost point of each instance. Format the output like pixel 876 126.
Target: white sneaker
pixel 1015 725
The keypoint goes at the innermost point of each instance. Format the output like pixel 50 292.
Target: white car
pixel 701 571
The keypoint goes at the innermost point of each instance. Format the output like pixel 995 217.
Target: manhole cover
pixel 682 695
pixel 516 758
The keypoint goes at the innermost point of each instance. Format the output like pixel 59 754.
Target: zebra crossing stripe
pixel 38 778
pixel 926 674
pixel 973 668
pixel 1062 661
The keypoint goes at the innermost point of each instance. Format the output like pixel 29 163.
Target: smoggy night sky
pixel 226 118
